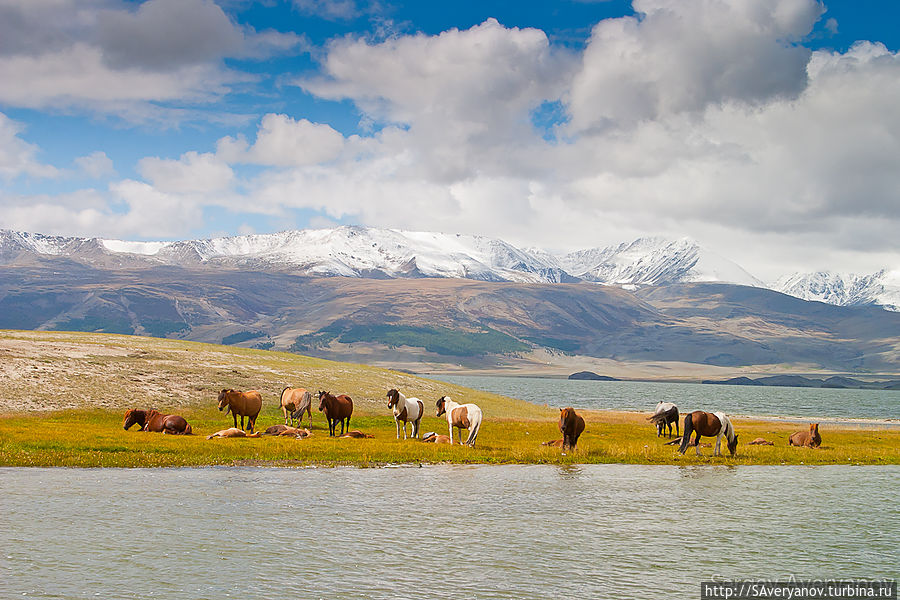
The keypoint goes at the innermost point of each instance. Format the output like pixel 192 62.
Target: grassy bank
pixel 66 394
pixel 95 438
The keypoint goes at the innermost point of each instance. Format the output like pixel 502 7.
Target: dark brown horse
pixel 708 424
pixel 336 408
pixel 571 425
pixel 810 439
pixel 155 421
pixel 666 413
pixel 246 404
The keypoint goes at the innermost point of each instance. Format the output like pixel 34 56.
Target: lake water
pixel 592 531
pixel 803 403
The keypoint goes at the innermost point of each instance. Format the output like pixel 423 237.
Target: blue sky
pixel 769 131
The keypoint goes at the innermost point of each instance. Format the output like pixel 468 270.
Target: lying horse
pixel 708 424
pixel 356 433
pixel 295 402
pixel 571 425
pixel 232 432
pixel 810 439
pixel 246 404
pixel 408 410
pixel 433 438
pixel 152 420
pixel 336 408
pixel 461 416
pixel 665 414
pixel 284 430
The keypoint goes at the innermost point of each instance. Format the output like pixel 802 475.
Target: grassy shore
pixel 66 394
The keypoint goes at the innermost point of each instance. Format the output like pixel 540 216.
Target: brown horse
pixel 285 430
pixel 571 425
pixel 246 404
pixel 810 439
pixel 336 408
pixel 708 424
pixel 232 432
pixel 433 438
pixel 152 420
pixel 356 433
pixel 295 402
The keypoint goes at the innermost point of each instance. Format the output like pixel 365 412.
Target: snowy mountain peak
pixel 372 252
pixel 844 289
pixel 655 261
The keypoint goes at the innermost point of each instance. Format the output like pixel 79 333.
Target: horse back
pixel 343 406
pixel 252 402
pixel 705 423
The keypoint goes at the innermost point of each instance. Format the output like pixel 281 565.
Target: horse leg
pixel 697 444
pixel 234 416
pixel 718 450
pixel 397 425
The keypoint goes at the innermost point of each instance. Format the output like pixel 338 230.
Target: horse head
pixel 322 395
pixel 133 416
pixel 224 401
pixel 732 444
pixel 441 408
pixel 393 397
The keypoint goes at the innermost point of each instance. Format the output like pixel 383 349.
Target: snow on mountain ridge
pixel 366 252
pixel 844 289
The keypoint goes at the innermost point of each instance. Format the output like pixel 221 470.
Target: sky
pixel 767 130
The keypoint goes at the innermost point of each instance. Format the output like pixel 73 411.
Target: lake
pixel 594 531
pixel 801 403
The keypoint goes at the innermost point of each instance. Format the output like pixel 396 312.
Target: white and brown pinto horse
pixel 665 414
pixel 461 416
pixel 708 424
pixel 408 410
pixel 295 402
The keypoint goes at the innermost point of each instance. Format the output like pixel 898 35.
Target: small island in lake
pixel 591 376
pixel 800 381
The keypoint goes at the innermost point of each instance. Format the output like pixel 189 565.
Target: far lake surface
pixel 443 531
pixel 731 399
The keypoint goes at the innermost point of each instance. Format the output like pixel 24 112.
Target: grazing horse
pixel 152 420
pixel 461 416
pixel 336 408
pixel 571 425
pixel 665 414
pixel 246 404
pixel 408 410
pixel 810 439
pixel 708 424
pixel 295 402
pixel 232 432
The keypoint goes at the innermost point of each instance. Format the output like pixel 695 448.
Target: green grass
pixel 66 394
pixel 95 438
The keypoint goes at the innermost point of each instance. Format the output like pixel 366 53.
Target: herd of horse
pixel 409 411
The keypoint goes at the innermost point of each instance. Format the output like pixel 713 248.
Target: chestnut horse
pixel 246 404
pixel 708 424
pixel 571 425
pixel 461 416
pixel 336 408
pixel 408 410
pixel 810 439
pixel 152 420
pixel 295 402
pixel 665 414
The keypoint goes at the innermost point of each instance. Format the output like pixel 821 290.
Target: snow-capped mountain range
pixel 844 289
pixel 388 253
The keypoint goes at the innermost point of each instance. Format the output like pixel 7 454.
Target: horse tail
pixel 688 430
